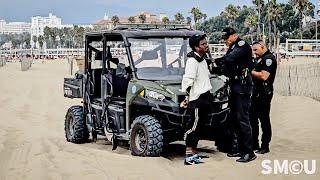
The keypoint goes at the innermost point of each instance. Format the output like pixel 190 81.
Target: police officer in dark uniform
pixel 236 64
pixel 263 74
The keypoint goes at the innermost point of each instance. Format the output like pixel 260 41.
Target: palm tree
pixel 269 24
pixel 25 40
pixel 251 22
pixel 61 36
pixel 275 14
pixel 178 18
pixel 78 35
pixel 115 20
pixel 15 41
pixel 165 20
pixel 204 16
pixel 87 29
pixel 46 35
pixel 53 36
pixel 259 4
pixel 189 20
pixel 40 40
pixel 196 14
pixel 34 39
pixel 301 6
pixel 142 18
pixel 74 33
pixel 131 19
pixel 232 13
pixel 67 36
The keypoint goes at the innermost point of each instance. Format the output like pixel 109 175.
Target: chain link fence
pixel 298 80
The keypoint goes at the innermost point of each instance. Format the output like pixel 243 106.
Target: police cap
pixel 226 32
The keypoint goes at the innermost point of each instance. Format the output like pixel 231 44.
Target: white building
pixel 14 27
pixel 38 23
pixel 2 24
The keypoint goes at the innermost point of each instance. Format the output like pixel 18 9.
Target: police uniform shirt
pixel 238 58
pixel 239 53
pixel 268 63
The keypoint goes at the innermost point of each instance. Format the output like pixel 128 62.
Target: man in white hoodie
pixel 196 83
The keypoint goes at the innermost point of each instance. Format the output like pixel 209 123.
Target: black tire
pixel 75 127
pixel 146 136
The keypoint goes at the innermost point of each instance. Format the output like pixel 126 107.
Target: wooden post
pixel 277 46
pixel 26 64
pixel 71 66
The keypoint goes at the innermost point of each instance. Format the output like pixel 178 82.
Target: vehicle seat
pixel 120 81
pixel 96 79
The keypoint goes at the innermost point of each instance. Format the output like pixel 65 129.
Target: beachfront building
pixel 14 27
pixel 106 22
pixel 38 23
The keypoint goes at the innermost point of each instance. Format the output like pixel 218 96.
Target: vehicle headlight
pixel 154 95
pixel 222 93
pixel 224 105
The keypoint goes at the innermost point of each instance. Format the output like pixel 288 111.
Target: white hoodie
pixel 197 76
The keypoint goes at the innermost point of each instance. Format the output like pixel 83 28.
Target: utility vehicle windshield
pixel 159 58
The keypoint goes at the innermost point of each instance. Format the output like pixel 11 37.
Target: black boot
pixel 263 150
pixel 234 154
pixel 247 158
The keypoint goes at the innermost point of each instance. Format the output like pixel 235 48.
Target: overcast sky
pixel 89 11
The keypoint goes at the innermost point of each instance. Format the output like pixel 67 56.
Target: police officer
pixel 263 75
pixel 236 64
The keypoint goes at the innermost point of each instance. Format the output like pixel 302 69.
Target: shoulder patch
pixel 268 62
pixel 241 43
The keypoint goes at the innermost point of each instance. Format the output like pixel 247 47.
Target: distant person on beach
pixel 263 74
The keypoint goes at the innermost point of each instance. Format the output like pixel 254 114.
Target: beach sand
pixel 33 145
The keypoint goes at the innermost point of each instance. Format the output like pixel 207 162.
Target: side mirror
pixel 149 55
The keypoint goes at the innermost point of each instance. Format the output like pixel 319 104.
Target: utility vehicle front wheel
pixel 146 136
pixel 75 127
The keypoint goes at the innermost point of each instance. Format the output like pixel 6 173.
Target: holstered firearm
pixel 246 77
pixel 266 88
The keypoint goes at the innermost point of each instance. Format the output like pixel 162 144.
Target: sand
pixel 33 146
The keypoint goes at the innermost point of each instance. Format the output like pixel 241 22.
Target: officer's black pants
pixel 198 111
pixel 240 107
pixel 261 111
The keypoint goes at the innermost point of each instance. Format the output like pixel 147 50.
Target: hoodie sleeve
pixel 190 74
